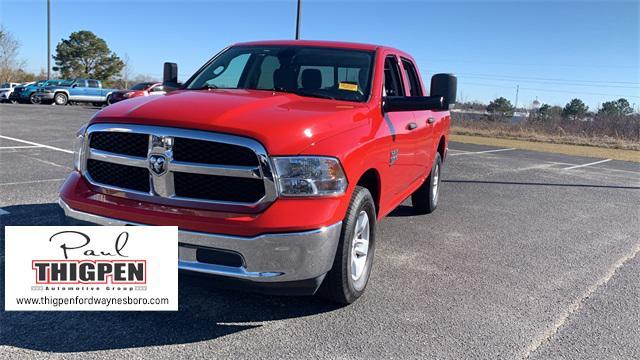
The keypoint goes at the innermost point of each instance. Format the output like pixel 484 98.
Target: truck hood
pixel 284 123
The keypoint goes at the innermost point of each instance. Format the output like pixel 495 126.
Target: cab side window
pixel 392 78
pixel 93 84
pixel 414 81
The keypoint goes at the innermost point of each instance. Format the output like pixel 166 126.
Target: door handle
pixel 412 126
pixel 431 120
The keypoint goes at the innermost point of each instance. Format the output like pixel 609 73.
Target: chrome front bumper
pixel 266 258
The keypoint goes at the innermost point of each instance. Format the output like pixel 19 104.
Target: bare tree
pixel 9 62
pixel 127 70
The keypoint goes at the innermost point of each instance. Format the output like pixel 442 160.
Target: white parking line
pixel 449 149
pixel 31 182
pixel 20 147
pixel 3 212
pixel 481 152
pixel 36 144
pixel 589 164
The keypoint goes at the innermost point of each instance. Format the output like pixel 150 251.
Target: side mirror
pixel 411 103
pixel 74 85
pixel 170 75
pixel 446 86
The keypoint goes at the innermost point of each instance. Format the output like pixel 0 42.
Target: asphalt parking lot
pixel 529 255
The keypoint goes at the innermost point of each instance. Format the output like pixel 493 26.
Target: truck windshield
pixel 340 74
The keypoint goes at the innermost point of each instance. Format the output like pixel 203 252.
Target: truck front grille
pixel 208 152
pixel 178 167
pixel 122 176
pixel 121 143
pixel 221 188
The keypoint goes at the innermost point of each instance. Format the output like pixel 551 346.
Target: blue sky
pixel 554 50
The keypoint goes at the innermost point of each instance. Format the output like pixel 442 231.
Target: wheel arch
pixel 370 179
pixel 66 92
pixel 442 147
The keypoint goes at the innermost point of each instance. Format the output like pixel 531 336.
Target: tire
pixel 60 99
pixel 347 279
pixel 425 199
pixel 108 102
pixel 34 99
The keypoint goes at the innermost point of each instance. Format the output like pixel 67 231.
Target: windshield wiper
pixel 206 87
pixel 313 94
pixel 303 93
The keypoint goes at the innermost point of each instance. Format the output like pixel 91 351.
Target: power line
pixel 546 90
pixel 520 64
pixel 511 77
pixel 589 84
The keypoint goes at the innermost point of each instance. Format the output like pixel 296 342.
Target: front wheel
pixel 425 199
pixel 34 99
pixel 61 99
pixel 348 277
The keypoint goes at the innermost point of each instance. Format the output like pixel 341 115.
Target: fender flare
pixel 65 91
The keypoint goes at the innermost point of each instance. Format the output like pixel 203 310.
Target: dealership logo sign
pixel 120 270
pixel 91 268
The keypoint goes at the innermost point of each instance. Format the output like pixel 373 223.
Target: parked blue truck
pixel 78 90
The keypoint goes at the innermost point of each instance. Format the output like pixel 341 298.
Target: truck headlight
pixel 309 176
pixel 78 148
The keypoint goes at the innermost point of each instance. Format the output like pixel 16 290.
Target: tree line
pixel 613 120
pixel 82 55
pixel 501 109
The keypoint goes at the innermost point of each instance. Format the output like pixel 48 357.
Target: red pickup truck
pixel 276 159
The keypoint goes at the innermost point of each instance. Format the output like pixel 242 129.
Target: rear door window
pixel 414 82
pixel 392 78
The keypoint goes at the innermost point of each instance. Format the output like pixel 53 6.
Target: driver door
pixel 402 150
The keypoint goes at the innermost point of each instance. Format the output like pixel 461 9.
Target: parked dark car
pixel 140 89
pixel 26 93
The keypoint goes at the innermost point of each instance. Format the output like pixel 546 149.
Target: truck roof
pixel 329 44
pixel 319 43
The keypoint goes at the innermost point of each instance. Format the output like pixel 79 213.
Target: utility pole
pixel 48 39
pixel 517 91
pixel 298 20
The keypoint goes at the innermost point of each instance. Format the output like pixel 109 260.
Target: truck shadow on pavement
pixel 207 310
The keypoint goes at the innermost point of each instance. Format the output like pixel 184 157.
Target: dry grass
pixel 528 134
pixel 539 145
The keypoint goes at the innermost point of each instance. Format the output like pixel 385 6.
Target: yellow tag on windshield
pixel 348 86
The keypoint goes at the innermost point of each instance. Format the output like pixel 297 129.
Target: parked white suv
pixel 6 89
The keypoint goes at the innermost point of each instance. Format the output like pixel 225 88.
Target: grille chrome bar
pixel 162 185
pixel 110 157
pixel 220 170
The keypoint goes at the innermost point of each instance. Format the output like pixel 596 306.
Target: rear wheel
pixel 61 99
pixel 348 277
pixel 425 199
